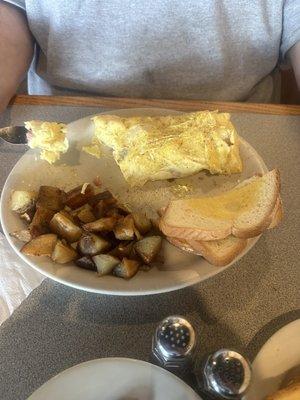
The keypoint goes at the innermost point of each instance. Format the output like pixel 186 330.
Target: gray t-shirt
pixel 188 49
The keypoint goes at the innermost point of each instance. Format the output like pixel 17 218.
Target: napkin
pixel 17 279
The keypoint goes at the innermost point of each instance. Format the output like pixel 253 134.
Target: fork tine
pixel 14 134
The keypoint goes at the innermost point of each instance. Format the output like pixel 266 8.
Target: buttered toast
pixel 224 236
pixel 245 211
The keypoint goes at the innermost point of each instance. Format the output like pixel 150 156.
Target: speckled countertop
pixel 57 327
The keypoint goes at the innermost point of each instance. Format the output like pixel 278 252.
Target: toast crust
pixel 277 214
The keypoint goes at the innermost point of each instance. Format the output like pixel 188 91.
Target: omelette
pixel 164 147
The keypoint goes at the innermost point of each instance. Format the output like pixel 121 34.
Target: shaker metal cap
pixel 227 373
pixel 174 338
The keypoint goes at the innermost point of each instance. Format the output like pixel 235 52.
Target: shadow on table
pixel 131 312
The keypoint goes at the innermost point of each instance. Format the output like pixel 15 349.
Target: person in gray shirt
pixel 226 50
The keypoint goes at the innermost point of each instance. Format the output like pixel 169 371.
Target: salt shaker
pixel 174 344
pixel 226 374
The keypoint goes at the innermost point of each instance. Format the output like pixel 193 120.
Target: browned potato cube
pixel 40 222
pixel 137 233
pixel 22 200
pixel 102 224
pixel 40 246
pixel 84 213
pixel 98 197
pixel 124 249
pixel 86 216
pixel 124 229
pixel 110 201
pixel 65 228
pixel 126 269
pixel 105 263
pixel 90 244
pixel 142 223
pixel 113 212
pixel 100 209
pixel 23 235
pixel 148 248
pixel 110 237
pixel 50 197
pixel 68 215
pixel 63 253
pixel 86 262
pixel 79 196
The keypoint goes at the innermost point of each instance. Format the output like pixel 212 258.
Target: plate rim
pixel 265 346
pixel 125 360
pixel 143 292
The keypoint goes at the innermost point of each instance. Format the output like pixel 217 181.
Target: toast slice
pixel 245 211
pixel 217 252
pixel 222 252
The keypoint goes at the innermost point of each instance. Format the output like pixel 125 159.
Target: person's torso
pixel 214 49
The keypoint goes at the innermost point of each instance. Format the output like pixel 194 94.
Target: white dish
pixel 115 379
pixel 180 269
pixel 278 357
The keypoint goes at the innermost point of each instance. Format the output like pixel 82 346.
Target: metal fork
pixel 14 134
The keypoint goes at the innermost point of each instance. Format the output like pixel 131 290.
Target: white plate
pixel 115 379
pixel 180 269
pixel 275 362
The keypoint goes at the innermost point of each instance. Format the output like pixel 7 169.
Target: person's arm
pixel 294 56
pixel 16 51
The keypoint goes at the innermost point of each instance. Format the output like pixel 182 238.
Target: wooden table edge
pixel 182 105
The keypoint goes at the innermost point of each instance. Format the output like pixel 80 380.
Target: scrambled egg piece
pixel 155 148
pixel 50 137
pixel 94 149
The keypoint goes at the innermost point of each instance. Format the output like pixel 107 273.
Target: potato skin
pixel 86 262
pixel 63 253
pixel 64 227
pixel 148 248
pixel 126 269
pixel 91 244
pixel 50 197
pixel 22 201
pixel 75 198
pixel 42 245
pixel 40 221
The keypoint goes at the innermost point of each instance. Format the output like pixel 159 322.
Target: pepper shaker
pixel 226 374
pixel 173 345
